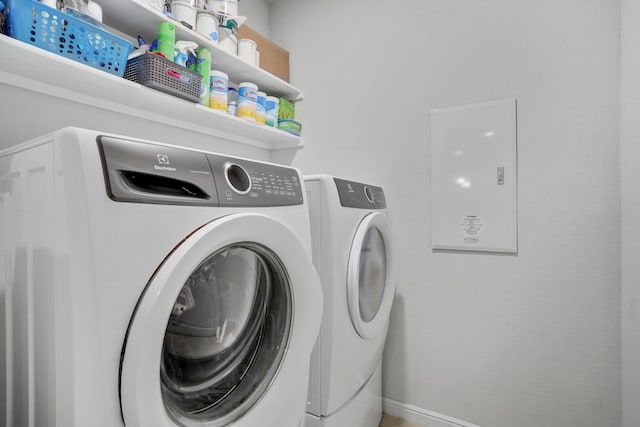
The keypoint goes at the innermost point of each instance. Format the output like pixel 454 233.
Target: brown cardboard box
pixel 273 58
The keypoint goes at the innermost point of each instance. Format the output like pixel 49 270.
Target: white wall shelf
pixel 135 18
pixel 28 70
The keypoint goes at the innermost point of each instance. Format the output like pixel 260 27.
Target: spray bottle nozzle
pixel 183 50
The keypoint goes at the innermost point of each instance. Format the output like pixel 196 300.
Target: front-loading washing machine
pixel 352 248
pixel 149 285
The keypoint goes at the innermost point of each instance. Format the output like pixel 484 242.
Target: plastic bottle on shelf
pixel 218 90
pixel 273 102
pixel 247 100
pixel 247 49
pixel 261 108
pixel 203 67
pixel 185 12
pixel 207 25
pixel 183 48
pixel 166 39
pixel 232 99
pixel 228 36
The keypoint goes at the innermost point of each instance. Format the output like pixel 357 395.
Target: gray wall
pixel 501 341
pixel 630 178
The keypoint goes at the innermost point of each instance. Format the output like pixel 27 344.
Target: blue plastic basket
pixel 56 31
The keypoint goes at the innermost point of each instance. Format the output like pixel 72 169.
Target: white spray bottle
pixel 183 47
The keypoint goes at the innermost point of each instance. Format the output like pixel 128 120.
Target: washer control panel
pixel 358 195
pixel 148 173
pixel 243 182
pixel 143 172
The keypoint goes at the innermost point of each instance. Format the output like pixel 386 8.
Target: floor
pixel 389 421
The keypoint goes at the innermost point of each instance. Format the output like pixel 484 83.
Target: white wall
pixel 257 13
pixel 501 341
pixel 630 178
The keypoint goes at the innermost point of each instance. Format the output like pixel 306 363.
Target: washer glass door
pixel 370 284
pixel 226 334
pixel 213 340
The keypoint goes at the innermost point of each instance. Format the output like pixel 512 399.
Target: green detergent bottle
pixel 167 39
pixel 203 67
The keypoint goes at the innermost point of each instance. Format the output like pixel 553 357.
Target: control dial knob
pixel 237 178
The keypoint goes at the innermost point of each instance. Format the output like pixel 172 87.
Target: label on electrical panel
pixel 500 175
pixel 472 225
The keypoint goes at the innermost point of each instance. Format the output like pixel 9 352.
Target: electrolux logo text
pixel 163 159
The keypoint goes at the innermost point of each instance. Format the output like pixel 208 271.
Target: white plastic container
pixel 247 51
pixel 207 25
pixel 228 37
pixel 218 88
pixel 94 10
pixel 223 7
pixel 184 11
pixel 247 100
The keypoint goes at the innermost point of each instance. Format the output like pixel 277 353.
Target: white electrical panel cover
pixel 473 177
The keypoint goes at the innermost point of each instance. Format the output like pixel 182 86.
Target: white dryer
pixel 352 250
pixel 148 285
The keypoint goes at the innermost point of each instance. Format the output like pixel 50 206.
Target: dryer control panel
pixel 358 195
pixel 143 172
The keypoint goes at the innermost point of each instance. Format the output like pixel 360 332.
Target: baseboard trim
pixel 421 416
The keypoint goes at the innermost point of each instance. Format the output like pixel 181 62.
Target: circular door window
pixel 373 274
pixel 220 334
pixel 226 336
pixel 370 282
